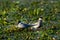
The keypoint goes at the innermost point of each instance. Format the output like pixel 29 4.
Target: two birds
pixel 36 25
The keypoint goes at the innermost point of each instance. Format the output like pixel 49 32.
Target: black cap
pixel 41 17
pixel 19 21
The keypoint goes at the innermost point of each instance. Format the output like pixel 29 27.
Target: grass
pixel 29 12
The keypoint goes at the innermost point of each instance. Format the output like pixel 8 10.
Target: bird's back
pixel 23 25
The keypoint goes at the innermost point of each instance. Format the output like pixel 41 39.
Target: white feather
pixel 36 25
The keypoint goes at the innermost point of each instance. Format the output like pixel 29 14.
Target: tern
pixel 38 24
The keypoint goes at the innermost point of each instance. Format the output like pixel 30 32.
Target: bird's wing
pixel 34 23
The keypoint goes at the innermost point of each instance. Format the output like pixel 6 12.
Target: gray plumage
pixel 23 25
pixel 33 26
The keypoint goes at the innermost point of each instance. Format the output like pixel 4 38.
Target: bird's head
pixel 40 18
pixel 19 21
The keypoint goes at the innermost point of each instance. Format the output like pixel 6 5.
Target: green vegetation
pixel 13 11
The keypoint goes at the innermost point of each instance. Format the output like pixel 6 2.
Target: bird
pixel 23 25
pixel 38 24
pixel 33 26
